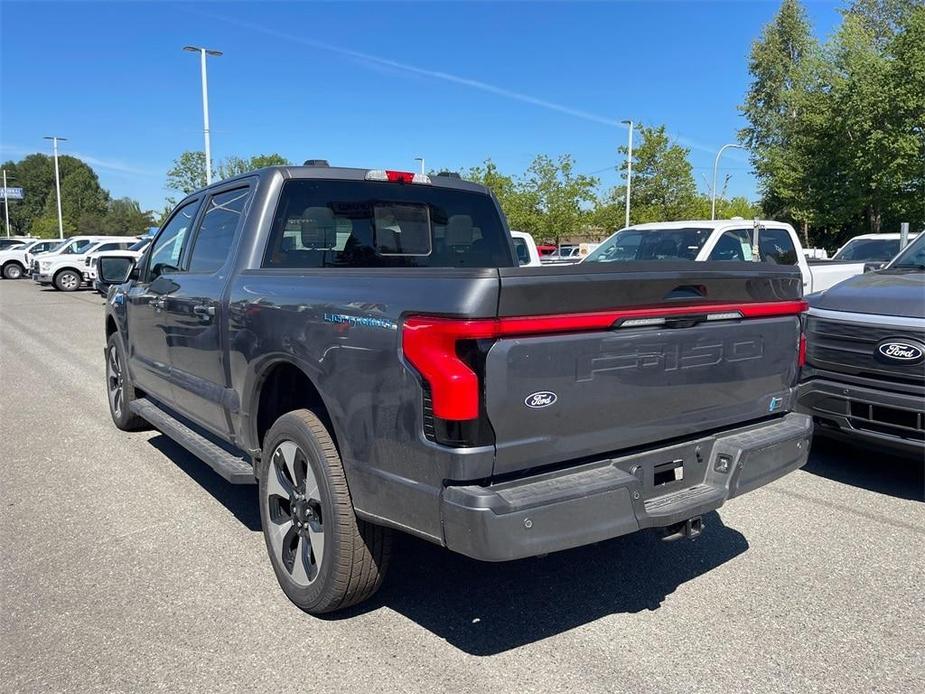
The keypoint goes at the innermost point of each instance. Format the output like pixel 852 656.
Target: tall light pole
pixel 629 169
pixel 421 159
pixel 6 205
pixel 715 164
pixel 55 139
pixel 203 52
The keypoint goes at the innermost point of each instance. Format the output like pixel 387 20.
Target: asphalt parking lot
pixel 126 565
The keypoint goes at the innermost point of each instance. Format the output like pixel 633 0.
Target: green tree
pixel 663 181
pixel 84 202
pixel 125 217
pixel 35 174
pixel 234 165
pixel 883 19
pixel 518 204
pixel 188 173
pixel 562 197
pixel 778 65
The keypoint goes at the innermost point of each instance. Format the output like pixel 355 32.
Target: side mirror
pixel 115 269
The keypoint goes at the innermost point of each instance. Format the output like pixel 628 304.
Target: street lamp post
pixel 715 164
pixel 421 159
pixel 54 140
pixel 203 52
pixel 6 205
pixel 629 169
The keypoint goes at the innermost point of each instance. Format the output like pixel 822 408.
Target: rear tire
pixel 324 557
pixel 13 271
pixel 119 389
pixel 68 281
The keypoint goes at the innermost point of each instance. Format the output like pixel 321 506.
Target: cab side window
pixel 776 246
pixel 215 235
pixel 168 247
pixel 735 244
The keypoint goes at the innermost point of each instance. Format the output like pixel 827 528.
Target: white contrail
pixel 415 70
pixel 445 76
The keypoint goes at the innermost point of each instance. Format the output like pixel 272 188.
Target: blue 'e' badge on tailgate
pixel 775 404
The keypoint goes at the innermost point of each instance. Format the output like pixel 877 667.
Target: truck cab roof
pixel 713 224
pixel 343 173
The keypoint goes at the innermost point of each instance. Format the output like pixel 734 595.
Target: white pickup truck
pixel 63 268
pixel 728 239
pixel 15 260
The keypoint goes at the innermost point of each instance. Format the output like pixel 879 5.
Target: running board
pixel 235 469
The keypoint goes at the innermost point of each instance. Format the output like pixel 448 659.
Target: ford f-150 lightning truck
pixel 365 346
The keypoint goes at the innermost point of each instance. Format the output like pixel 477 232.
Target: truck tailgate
pixel 561 397
pixel 578 394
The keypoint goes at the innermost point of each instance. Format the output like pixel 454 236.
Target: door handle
pixel 204 311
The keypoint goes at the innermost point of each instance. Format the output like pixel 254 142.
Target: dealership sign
pixel 11 193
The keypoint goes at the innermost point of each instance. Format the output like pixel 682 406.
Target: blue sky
pixel 376 84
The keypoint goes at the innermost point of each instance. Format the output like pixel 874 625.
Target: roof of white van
pixel 702 224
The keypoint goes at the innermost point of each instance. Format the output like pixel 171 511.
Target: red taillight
pixel 429 344
pixel 801 359
pixel 399 176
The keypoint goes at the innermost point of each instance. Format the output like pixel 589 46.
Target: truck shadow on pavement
pixel 867 468
pixel 240 499
pixel 486 608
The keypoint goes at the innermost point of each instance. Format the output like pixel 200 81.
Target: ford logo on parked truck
pixel 543 398
pixel 900 351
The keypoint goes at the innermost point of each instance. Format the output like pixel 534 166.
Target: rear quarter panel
pixel 341 327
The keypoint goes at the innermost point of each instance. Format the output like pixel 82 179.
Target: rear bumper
pixel 875 417
pixel 605 499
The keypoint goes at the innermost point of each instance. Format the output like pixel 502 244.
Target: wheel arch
pixel 58 271
pixel 281 386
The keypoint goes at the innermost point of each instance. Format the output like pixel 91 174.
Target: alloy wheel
pixel 114 380
pixel 293 502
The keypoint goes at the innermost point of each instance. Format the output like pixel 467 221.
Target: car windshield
pixel 56 247
pixel 913 256
pixel 868 250
pixel 139 245
pixel 650 244
pixel 78 246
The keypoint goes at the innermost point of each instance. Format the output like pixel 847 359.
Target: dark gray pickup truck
pixel 865 369
pixel 365 345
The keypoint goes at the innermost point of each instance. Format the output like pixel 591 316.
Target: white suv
pixel 64 267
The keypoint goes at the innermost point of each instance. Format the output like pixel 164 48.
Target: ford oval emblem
pixel 900 352
pixel 541 398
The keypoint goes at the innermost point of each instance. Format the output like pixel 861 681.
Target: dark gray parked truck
pixel 865 374
pixel 364 344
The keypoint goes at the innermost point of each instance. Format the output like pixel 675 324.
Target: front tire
pixel 324 557
pixel 119 389
pixel 13 271
pixel 68 281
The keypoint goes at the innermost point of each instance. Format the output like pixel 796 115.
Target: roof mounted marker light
pixel 396 176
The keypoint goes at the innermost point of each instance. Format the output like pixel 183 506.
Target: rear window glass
pixel 652 244
pixel 868 250
pixel 373 224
